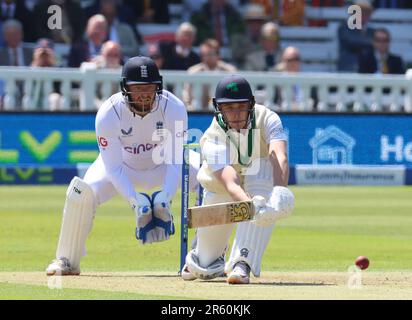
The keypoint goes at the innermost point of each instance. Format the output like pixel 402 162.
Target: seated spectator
pixel 209 52
pixel 44 57
pixel 17 10
pixel 380 60
pixel 270 54
pixel 179 54
pixel 353 42
pixel 393 4
pixel 110 57
pixel 86 50
pixel 118 31
pixel 153 51
pixel 218 20
pixel 295 100
pixel 14 54
pixel 243 44
pixel 73 21
pixel 149 11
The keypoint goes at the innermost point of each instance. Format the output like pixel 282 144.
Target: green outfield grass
pixel 329 228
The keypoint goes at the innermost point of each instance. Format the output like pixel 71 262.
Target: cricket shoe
pixel 61 267
pixel 186 274
pixel 240 274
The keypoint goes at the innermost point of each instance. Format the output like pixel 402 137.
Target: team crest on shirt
pixel 127 133
pixel 159 129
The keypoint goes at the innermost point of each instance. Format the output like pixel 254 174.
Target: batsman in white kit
pixel 140 133
pixel 244 158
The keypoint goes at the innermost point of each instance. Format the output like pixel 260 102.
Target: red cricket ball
pixel 362 262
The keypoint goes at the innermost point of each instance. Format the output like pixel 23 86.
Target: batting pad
pixel 78 214
pixel 249 245
pixel 251 240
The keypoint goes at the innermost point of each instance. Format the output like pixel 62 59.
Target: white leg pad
pixel 78 214
pixel 251 240
pixel 249 245
pixel 212 241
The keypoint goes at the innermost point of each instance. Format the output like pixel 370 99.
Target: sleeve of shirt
pixel 107 128
pixel 274 128
pixel 177 125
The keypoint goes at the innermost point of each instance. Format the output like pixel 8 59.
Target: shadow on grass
pixel 281 284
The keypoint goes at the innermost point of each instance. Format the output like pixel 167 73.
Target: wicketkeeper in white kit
pixel 244 157
pixel 140 133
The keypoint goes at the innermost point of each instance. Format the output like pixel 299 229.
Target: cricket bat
pixel 222 213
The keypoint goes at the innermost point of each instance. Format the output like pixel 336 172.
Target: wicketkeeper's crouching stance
pixel 244 158
pixel 140 133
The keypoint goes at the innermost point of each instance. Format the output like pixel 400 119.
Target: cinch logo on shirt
pixel 140 148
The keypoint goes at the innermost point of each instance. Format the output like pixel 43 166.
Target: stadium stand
pixel 318 46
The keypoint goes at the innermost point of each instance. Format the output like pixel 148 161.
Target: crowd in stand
pixel 104 33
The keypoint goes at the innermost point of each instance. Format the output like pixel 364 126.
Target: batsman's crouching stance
pixel 135 128
pixel 244 158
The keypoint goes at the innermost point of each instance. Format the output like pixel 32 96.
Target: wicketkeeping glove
pixel 145 227
pixel 162 217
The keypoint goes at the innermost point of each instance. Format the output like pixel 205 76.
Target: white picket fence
pixel 335 92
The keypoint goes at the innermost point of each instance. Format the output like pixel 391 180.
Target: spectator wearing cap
pixel 44 57
pixel 73 21
pixel 380 60
pixel 243 44
pixel 179 54
pixel 294 100
pixel 211 62
pixel 354 42
pixel 119 32
pixel 14 54
pixel 219 20
pixel 89 48
pixel 270 54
